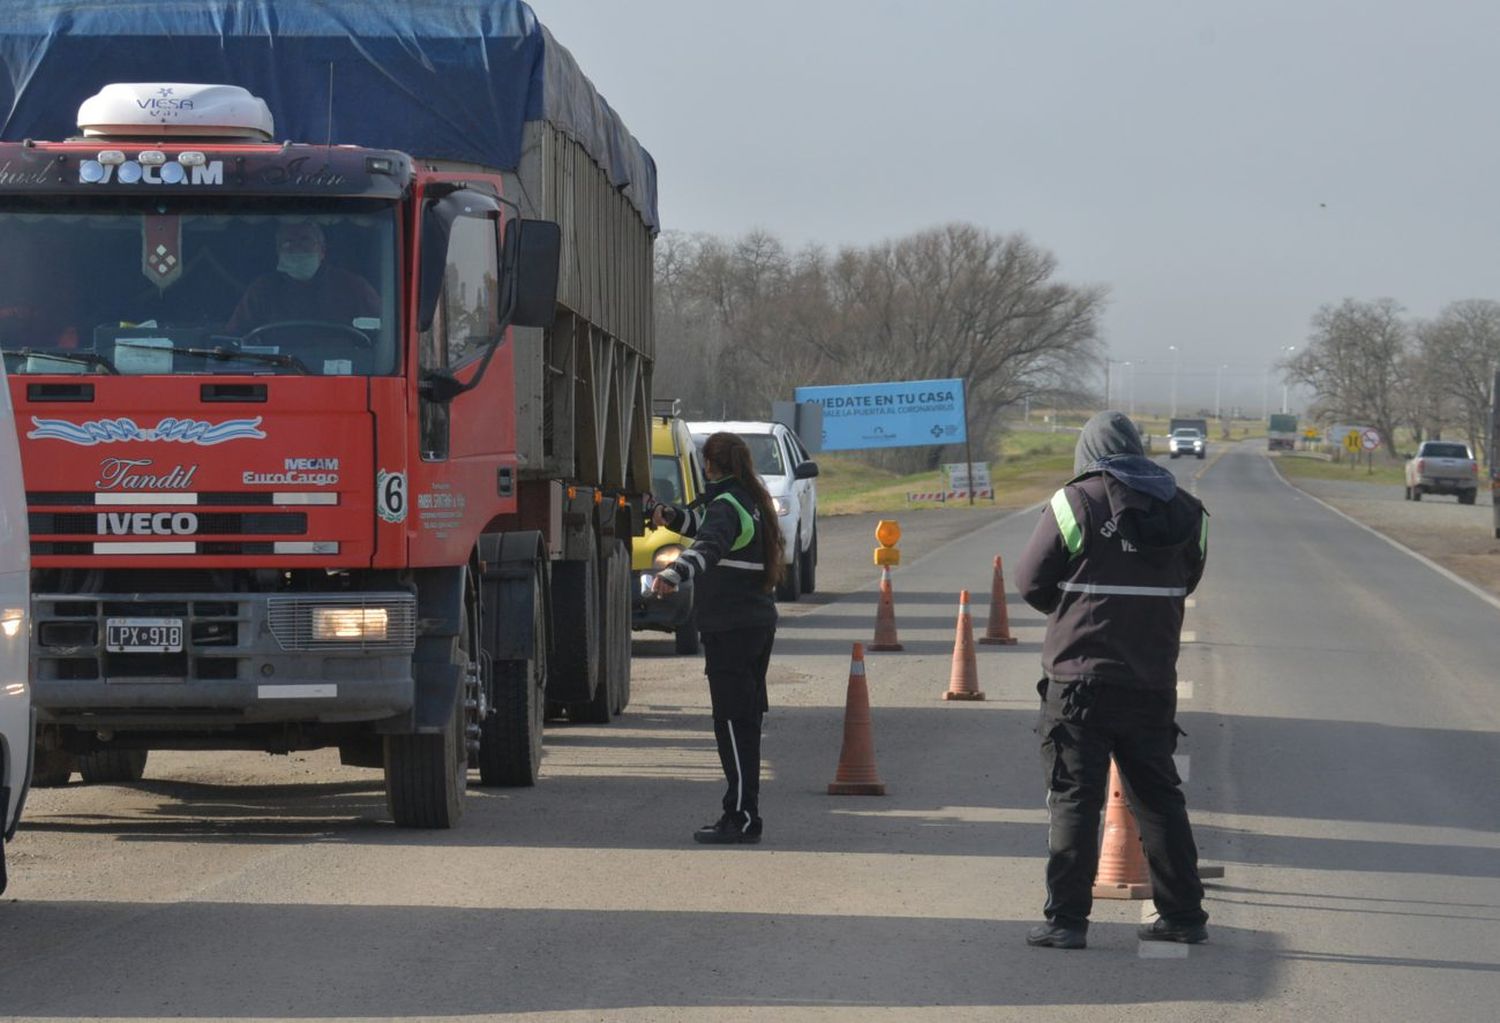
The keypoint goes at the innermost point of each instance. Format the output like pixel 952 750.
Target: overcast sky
pixel 1223 167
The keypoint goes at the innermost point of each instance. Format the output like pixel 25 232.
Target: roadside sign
pixel 958 475
pixel 1370 439
pixel 898 414
pixel 1351 441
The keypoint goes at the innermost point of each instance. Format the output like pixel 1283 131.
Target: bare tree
pixel 1352 361
pixel 1461 349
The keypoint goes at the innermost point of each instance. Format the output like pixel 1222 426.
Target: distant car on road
pixel 1442 467
pixel 1187 440
pixel 788 470
pixel 17 726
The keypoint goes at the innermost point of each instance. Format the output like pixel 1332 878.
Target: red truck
pixel 380 499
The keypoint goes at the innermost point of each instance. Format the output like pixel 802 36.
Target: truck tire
pixel 112 766
pixel 426 774
pixel 685 639
pixel 619 592
pixel 1416 492
pixel 575 669
pixel 790 587
pixel 510 736
pixel 810 564
pixel 52 769
pixel 1467 496
pixel 1406 494
pixel 613 622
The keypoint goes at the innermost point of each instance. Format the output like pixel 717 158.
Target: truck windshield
pixel 142 285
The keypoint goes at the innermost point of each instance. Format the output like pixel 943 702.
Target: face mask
pixel 299 265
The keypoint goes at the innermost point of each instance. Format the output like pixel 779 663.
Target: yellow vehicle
pixel 677 479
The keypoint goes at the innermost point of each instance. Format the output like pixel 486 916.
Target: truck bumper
pixel 244 658
pixel 1443 485
pixel 659 614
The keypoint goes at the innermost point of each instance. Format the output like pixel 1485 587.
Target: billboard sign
pixel 899 414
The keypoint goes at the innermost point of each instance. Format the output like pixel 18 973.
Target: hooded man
pixel 1111 563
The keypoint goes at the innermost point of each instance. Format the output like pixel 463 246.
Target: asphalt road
pixel 1341 720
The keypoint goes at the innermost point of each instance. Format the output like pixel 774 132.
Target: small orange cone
pixel 963 683
pixel 885 616
pixel 1122 872
pixel 856 774
pixel 998 629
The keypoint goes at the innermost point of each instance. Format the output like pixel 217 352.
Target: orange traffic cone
pixel 963 683
pixel 856 774
pixel 998 629
pixel 885 616
pixel 1122 872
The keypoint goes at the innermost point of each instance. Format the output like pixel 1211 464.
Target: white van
pixel 16 725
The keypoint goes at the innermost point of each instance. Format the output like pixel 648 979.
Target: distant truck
pixel 398 524
pixel 1281 432
pixel 1442 467
pixel 1201 425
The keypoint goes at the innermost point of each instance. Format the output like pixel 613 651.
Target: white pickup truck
pixel 1442 467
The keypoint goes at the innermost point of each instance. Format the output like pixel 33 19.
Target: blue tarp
pixel 444 79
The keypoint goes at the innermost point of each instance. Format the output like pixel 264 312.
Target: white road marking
pixel 1181 760
pixel 1189 636
pixel 1184 690
pixel 1190 602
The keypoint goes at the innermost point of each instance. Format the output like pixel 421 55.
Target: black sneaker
pixel 1057 936
pixel 1165 930
pixel 734 828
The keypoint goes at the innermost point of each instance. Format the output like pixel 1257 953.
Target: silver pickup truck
pixel 1442 467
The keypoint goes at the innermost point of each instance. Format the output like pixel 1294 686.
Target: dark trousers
pixel 735 661
pixel 1082 725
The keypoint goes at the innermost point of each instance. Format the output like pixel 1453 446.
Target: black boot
pixel 734 828
pixel 1051 935
pixel 1165 930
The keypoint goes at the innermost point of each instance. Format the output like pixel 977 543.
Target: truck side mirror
pixel 805 471
pixel 534 249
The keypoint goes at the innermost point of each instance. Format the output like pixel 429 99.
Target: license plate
pixel 143 635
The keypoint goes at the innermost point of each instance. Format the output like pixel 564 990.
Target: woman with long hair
pixel 734 565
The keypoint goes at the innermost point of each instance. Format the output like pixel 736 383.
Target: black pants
pixel 735 662
pixel 1082 725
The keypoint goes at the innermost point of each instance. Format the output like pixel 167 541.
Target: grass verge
pixel 1307 465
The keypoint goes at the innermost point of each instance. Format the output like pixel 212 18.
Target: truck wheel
pixel 52 769
pixel 685 639
pixel 510 737
pixel 575 669
pixel 1406 494
pixel 620 589
pixel 1416 492
pixel 790 587
pixel 614 596
pixel 1467 497
pixel 810 565
pixel 112 766
pixel 425 775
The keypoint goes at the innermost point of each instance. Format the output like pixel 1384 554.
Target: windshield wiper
pixel 221 354
pixel 83 358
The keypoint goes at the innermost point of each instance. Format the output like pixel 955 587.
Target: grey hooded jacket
pixel 1111 562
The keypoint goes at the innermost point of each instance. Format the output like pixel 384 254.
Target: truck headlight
pixel 355 623
pixel 665 556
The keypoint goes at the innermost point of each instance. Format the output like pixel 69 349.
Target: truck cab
pixel 16 721
pixel 264 394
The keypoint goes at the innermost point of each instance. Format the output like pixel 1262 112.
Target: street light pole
pixel 1219 390
pixel 1176 359
pixel 1288 350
